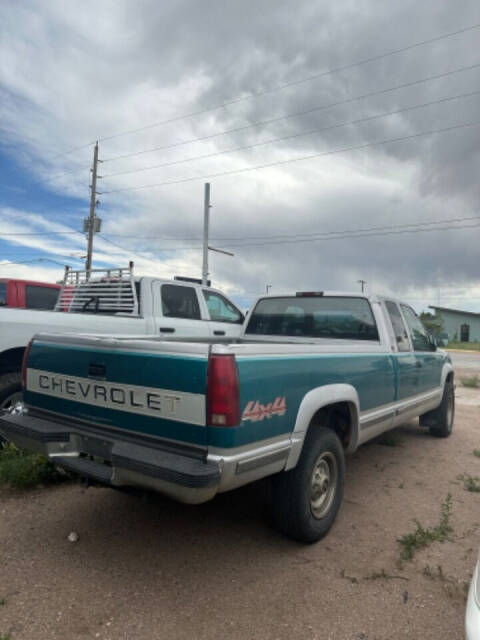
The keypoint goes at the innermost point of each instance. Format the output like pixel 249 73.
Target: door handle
pixel 418 364
pixel 219 333
pixel 167 330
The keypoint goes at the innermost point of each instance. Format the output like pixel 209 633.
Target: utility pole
pixel 206 247
pixel 267 288
pixel 206 223
pixel 91 219
pixel 362 283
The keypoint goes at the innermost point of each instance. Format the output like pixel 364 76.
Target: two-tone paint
pixel 151 388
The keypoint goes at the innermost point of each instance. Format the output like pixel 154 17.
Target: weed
pixel 3 601
pixel 470 483
pixel 401 485
pixel 22 470
pixel 470 381
pixel 476 452
pixel 6 636
pixel 410 543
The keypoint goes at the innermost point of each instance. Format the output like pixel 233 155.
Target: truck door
pixel 224 317
pixel 428 362
pixel 406 365
pixel 177 311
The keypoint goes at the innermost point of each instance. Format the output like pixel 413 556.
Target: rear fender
pixel 316 399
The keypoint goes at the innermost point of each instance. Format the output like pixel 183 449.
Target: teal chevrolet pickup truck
pixel 312 376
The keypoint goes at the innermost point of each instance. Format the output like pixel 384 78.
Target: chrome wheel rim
pixel 11 400
pixel 323 484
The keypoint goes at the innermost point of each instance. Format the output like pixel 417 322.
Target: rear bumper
pixel 114 461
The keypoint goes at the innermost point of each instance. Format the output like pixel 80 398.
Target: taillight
pixel 223 401
pixel 26 353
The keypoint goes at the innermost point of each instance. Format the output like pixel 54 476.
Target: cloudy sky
pixel 341 141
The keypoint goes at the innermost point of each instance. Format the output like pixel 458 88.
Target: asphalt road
pixel 466 360
pixel 152 569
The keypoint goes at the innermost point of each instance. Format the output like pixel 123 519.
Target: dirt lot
pixel 152 569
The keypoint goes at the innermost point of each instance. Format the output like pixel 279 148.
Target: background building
pixel 459 325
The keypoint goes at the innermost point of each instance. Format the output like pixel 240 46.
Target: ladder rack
pixel 106 291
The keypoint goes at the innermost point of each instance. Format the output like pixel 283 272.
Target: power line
pixel 287 116
pixel 293 83
pixel 339 235
pixel 297 159
pixel 360 235
pixel 296 135
pixel 258 94
pixel 312 233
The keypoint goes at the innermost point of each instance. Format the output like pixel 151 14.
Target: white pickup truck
pixel 115 302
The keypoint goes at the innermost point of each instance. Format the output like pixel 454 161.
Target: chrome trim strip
pixel 262 460
pixel 370 418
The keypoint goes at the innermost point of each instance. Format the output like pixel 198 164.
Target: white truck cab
pixel 116 302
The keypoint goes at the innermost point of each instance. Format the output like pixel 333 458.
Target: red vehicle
pixel 28 294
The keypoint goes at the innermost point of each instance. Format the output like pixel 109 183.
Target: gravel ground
pixel 152 569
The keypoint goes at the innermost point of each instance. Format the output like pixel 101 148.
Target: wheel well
pixel 339 417
pixel 450 376
pixel 11 360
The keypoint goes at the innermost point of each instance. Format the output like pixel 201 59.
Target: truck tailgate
pixel 137 386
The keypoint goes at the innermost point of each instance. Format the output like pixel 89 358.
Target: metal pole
pixel 362 283
pixel 91 223
pixel 206 222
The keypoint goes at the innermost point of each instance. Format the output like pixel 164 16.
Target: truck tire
pixel 10 389
pixel 440 420
pixel 306 500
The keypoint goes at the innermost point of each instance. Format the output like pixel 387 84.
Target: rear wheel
pixel 306 499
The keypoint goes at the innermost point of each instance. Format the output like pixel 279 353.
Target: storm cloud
pixel 67 80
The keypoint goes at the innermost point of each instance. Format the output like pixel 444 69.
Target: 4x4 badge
pixel 256 411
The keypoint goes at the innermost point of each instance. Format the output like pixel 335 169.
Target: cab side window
pixel 180 302
pixel 420 338
pixel 220 309
pixel 399 328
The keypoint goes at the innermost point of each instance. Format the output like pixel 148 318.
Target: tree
pixel 433 323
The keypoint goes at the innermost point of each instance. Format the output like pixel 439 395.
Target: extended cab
pixel 313 376
pixel 114 301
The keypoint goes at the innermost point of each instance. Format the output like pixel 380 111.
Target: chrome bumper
pixel 113 461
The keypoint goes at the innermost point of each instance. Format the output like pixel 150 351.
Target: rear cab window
pixel 220 309
pixel 330 317
pixel 180 302
pixel 38 297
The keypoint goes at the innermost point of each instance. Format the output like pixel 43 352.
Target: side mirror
pixel 433 342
